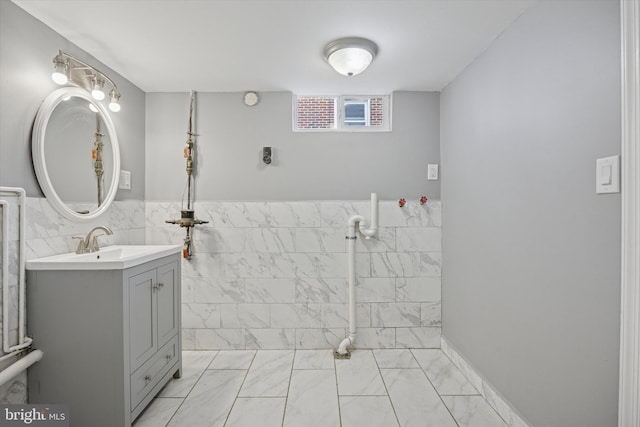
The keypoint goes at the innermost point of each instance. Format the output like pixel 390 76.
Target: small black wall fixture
pixel 266 155
pixel 187 216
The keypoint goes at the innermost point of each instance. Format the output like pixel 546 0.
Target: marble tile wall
pixel 272 275
pixel 49 233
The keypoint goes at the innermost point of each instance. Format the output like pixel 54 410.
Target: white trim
pixel 629 393
pixel 503 408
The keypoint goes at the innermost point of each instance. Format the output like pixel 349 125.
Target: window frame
pixel 339 113
pixel 366 117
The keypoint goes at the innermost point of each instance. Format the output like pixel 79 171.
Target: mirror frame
pixel 38 152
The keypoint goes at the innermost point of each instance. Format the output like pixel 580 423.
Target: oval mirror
pixel 76 154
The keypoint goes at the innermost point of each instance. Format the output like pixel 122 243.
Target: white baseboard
pixel 493 398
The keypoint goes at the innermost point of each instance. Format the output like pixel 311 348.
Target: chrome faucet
pixel 90 242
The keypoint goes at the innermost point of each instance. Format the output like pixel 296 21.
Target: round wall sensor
pixel 251 98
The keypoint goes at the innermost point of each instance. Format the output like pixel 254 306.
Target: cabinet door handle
pixel 161 285
pixel 147 378
pixel 168 357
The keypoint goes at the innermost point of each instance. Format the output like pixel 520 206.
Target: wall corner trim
pixel 499 404
pixel 629 388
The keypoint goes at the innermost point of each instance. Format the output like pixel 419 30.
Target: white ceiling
pixel 273 45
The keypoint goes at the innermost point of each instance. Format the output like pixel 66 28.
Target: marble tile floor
pixel 308 388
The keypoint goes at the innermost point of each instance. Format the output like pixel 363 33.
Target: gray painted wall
pixel 531 270
pixel 27 47
pixel 306 166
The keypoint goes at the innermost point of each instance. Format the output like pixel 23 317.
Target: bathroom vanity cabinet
pixel 111 339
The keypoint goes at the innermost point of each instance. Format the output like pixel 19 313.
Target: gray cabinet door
pixel 168 310
pixel 142 314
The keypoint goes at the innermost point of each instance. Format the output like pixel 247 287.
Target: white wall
pixel 531 271
pixel 306 166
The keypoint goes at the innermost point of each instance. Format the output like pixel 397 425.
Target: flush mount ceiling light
pixel 351 55
pixel 69 69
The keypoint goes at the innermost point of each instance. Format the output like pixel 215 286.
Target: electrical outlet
pixel 125 180
pixel 432 172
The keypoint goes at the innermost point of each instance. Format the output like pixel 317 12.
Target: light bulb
pixel 59 78
pixel 96 91
pixel 59 75
pixel 114 104
pixel 97 94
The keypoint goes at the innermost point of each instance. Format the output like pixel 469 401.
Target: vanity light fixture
pixel 351 55
pixel 69 69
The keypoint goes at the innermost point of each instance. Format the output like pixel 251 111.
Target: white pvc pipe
pixel 19 366
pixel 5 274
pixel 23 340
pixel 22 307
pixel 368 232
pixel 362 225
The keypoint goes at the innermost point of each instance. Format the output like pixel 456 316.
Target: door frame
pixel 629 383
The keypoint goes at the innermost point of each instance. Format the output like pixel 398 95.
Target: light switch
pixel 605 177
pixel 608 175
pixel 432 172
pixel 125 180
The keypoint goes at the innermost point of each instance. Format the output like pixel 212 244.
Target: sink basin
pixel 116 257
